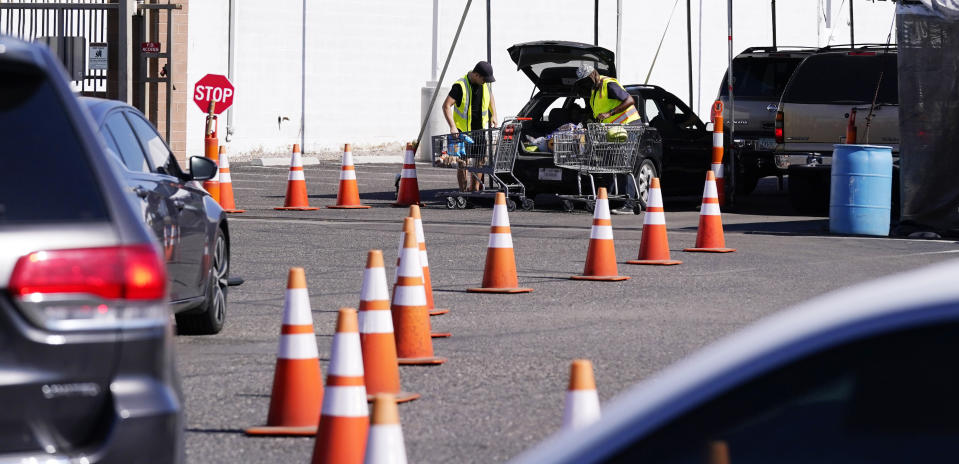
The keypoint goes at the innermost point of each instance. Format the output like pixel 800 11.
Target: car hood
pixel 551 65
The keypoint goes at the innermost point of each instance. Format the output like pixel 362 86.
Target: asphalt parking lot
pixel 503 387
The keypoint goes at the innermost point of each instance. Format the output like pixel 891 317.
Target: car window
pixel 127 145
pixel 763 78
pixel 45 175
pixel 649 106
pixel 887 399
pixel 157 151
pixel 845 78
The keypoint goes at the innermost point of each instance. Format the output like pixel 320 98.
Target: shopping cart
pixel 598 149
pixel 488 156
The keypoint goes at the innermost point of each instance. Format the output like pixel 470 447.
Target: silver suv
pixel 86 357
pixel 815 109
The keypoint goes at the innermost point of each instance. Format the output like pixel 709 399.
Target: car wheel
pixel 644 176
pixel 212 314
pixel 746 183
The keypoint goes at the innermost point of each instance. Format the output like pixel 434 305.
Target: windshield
pixel 761 78
pixel 845 78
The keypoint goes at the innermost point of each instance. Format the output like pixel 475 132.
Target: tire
pixel 590 206
pixel 212 313
pixel 644 176
pixel 568 206
pixel 510 205
pixel 528 204
pixel 461 202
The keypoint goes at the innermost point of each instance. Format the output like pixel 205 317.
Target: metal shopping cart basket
pixel 488 156
pixel 598 149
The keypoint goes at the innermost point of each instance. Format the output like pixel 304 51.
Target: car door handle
pixel 772 107
pixel 179 204
pixel 141 192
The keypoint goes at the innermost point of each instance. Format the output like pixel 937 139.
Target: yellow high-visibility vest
pixel 600 102
pixel 462 116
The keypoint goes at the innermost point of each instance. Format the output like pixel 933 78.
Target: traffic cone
pixel 348 197
pixel 399 255
pixel 409 193
pixel 582 401
pixel 718 150
pixel 410 316
pixel 385 442
pixel 425 262
pixel 212 186
pixel 296 198
pixel 710 236
pixel 226 184
pixel 297 381
pixel 601 256
pixel 654 247
pixel 499 275
pixel 376 333
pixel 345 421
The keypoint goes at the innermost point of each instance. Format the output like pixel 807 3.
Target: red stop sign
pixel 213 87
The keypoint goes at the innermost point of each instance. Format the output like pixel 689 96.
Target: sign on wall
pixel 98 56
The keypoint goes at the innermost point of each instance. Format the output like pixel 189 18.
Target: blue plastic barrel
pixel 861 189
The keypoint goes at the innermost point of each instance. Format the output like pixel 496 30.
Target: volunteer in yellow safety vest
pixel 470 106
pixel 611 104
pixel 608 99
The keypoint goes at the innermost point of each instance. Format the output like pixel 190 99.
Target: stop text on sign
pixel 208 92
pixel 213 88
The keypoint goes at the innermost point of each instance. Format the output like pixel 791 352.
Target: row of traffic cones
pixel 296 199
pixel 499 275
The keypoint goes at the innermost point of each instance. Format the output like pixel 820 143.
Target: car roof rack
pixel 779 48
pixel 890 46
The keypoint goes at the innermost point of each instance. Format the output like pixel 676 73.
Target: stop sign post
pixel 216 88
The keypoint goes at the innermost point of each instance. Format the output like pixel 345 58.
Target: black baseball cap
pixel 485 70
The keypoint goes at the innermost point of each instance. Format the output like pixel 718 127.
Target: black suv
pixel 86 356
pixel 759 78
pixel 676 149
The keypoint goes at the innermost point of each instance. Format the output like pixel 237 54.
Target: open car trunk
pixel 551 65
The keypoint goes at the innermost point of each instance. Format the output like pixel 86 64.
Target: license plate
pixel 551 174
pixel 766 144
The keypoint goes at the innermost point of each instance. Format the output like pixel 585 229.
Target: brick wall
pixel 156 99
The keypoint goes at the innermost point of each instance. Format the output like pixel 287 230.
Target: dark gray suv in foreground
pixel 86 357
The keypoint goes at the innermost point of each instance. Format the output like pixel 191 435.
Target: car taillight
pixel 779 127
pixel 91 288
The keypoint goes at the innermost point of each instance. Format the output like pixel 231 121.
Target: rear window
pixel 761 78
pixel 44 174
pixel 845 78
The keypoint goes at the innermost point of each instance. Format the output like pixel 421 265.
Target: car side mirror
pixel 202 168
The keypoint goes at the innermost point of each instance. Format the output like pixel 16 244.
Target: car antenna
pixel 875 96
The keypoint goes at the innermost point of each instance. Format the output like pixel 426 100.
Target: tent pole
pixel 446 65
pixel 689 48
pixel 489 48
pixel 730 187
pixel 774 22
pixel 596 23
pixel 852 25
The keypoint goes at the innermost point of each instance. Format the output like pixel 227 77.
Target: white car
pixel 862 375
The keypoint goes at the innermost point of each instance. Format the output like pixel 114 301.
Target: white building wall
pixel 367 60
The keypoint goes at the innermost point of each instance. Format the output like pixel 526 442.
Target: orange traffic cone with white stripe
pixel 582 401
pixel 226 184
pixel 499 276
pixel 297 381
pixel 425 262
pixel 296 198
pixel 710 236
pixel 411 320
pixel 376 333
pixel 654 247
pixel 345 421
pixel 717 158
pixel 601 256
pixel 348 196
pixel 399 256
pixel 385 442
pixel 409 192
pixel 212 186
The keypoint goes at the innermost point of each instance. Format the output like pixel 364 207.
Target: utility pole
pixel 596 23
pixel 774 22
pixel 852 25
pixel 489 44
pixel 689 48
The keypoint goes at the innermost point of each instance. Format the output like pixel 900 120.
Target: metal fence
pixel 77 31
